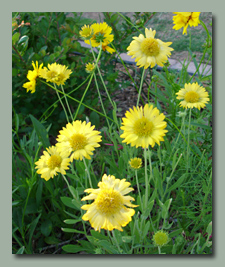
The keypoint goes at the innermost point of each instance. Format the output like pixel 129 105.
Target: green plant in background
pixel 172 193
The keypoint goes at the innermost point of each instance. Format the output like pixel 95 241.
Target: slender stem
pixel 78 101
pixel 156 94
pixel 139 94
pixel 87 170
pixel 159 249
pixel 83 96
pixel 189 124
pixel 69 187
pixel 129 22
pixel 71 115
pixel 117 244
pixel 146 179
pixel 138 189
pixel 61 103
pixel 64 96
pixel 96 83
pixel 99 72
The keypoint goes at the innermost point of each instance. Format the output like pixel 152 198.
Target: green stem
pixel 71 115
pixel 64 95
pixel 88 173
pixel 61 103
pixel 78 101
pixel 139 94
pixel 81 101
pixel 99 72
pixel 146 179
pixel 159 249
pixel 138 189
pixel 188 145
pixel 68 185
pixel 129 22
pixel 96 83
pixel 117 244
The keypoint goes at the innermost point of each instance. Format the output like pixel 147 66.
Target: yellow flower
pixel 32 76
pixel 185 19
pixel 30 86
pixel 51 163
pixel 161 238
pixel 86 32
pixel 143 126
pixel 193 96
pixel 135 163
pixel 89 67
pixel 101 35
pixel 149 51
pixel 56 73
pixel 63 75
pixel 109 211
pixel 78 138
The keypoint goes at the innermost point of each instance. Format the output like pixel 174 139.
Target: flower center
pixel 52 74
pixel 109 201
pixel 161 239
pixel 150 47
pixel 86 32
pixel 135 163
pixel 191 97
pixel 99 37
pixel 143 127
pixel 54 161
pixel 78 141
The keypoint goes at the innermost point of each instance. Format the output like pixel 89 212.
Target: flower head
pixel 51 163
pixel 193 96
pixel 101 35
pixel 56 73
pixel 143 126
pixel 109 211
pixel 135 163
pixel 32 75
pixel 161 238
pixel 89 67
pixel 149 51
pixel 185 19
pixel 86 32
pixel 30 86
pixel 79 139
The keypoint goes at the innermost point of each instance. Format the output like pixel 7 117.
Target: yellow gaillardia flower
pixel 161 238
pixel 143 126
pixel 193 96
pixel 185 19
pixel 101 35
pixel 135 163
pixel 109 211
pixel 51 163
pixel 86 32
pixel 89 67
pixel 55 73
pixel 30 86
pixel 32 76
pixel 149 51
pixel 78 138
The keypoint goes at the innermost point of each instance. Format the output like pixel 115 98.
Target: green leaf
pixel 178 183
pixel 98 235
pixel 32 228
pixel 15 38
pixel 52 240
pixel 67 201
pixel 21 250
pixel 71 221
pixel 94 118
pixel 209 229
pixel 41 132
pixel 46 227
pixel 69 230
pixel 72 248
pixel 127 239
